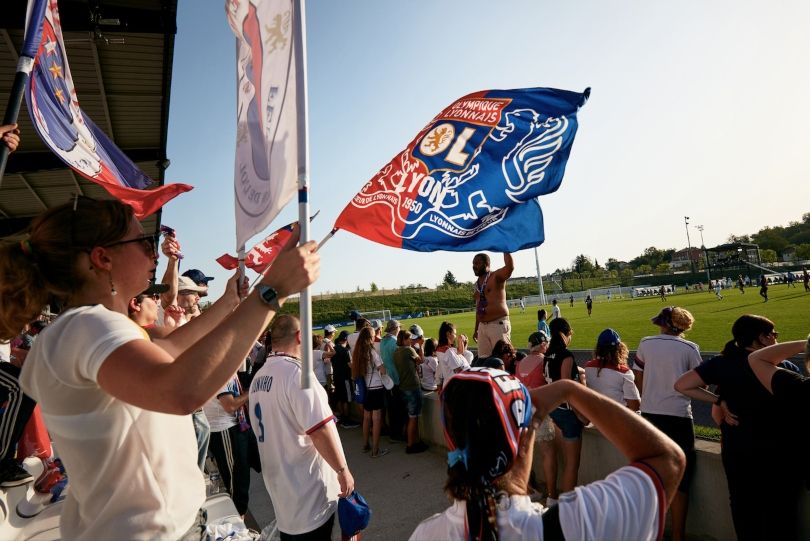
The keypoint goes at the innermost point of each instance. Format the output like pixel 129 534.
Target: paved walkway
pixel 401 489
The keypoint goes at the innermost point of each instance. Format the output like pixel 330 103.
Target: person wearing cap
pixel 341 367
pixel 394 399
pixel 199 278
pixel 143 308
pixel 608 372
pixel 188 296
pixel 303 464
pixel 406 359
pixel 491 313
pixel 490 420
pixel 328 335
pixel 660 361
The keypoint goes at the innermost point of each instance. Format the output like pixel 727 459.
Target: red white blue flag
pixel 262 255
pixel 266 125
pixel 470 179
pixel 70 134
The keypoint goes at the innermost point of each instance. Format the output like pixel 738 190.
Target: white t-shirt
pixel 373 379
pixel 663 359
pixel 428 377
pixel 303 487
pixel 555 312
pixel 218 418
pixel 625 505
pixel 133 472
pixel 5 352
pixel 449 361
pixel 618 383
pixel 352 339
pixel 318 366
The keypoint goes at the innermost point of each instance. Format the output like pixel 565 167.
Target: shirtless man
pixel 491 314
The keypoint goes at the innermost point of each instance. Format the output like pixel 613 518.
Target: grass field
pixel 788 308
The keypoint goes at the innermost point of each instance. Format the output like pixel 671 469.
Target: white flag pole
pixel 303 181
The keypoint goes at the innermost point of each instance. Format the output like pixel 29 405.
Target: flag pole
pixel 303 181
pixel 25 64
pixel 327 237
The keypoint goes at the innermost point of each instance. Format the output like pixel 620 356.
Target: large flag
pixel 266 138
pixel 470 179
pixel 262 255
pixel 70 134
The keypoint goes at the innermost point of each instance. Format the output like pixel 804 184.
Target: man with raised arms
pixel 491 313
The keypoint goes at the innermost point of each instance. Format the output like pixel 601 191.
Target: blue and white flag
pixel 266 120
pixel 470 179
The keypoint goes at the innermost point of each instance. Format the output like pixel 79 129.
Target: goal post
pixel 382 315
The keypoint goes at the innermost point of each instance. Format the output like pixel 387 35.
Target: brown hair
pixel 361 354
pixel 402 336
pixel 611 355
pixel 44 266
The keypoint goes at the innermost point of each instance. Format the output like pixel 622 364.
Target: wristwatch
pixel 269 296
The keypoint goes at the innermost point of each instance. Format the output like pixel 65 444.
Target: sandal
pixel 379 453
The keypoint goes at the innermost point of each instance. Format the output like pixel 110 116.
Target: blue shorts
pixel 568 422
pixel 413 402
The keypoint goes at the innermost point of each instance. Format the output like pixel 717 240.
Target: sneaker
pixel 349 424
pixel 381 452
pixel 551 501
pixel 418 447
pixel 12 474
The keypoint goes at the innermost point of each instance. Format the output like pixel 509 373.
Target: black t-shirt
pixel 791 389
pixel 340 363
pixel 764 423
pixel 554 364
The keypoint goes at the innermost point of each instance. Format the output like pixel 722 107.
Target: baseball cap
pixel 156 289
pixel 329 328
pixel 608 337
pixel 537 338
pixel 416 331
pixel 198 276
pixel 353 514
pixel 354 315
pixel 184 283
pixel 342 336
pixel 376 324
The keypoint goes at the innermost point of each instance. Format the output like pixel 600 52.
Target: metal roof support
pixel 9 44
pixel 31 189
pixel 101 91
pixel 76 182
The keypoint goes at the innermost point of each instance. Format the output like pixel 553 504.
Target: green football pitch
pixel 788 308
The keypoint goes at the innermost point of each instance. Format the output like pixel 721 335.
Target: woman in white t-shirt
pixel 451 360
pixel 429 367
pixel 117 403
pixel 367 364
pixel 608 372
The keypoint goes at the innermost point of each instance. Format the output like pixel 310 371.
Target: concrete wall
pixel 709 515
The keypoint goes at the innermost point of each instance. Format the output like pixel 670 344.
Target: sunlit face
pixel 568 337
pixel 149 308
pixel 479 266
pixel 187 300
pixel 134 260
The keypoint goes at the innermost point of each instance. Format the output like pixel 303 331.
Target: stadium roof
pixel 120 54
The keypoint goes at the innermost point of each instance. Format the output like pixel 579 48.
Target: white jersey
pixel 218 419
pixel 617 383
pixel 133 472
pixel 663 359
pixel 449 361
pixel 303 487
pixel 629 504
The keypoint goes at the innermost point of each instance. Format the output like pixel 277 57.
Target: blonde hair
pixel 44 266
pixel 682 319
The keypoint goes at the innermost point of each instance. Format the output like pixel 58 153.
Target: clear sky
pixel 697 109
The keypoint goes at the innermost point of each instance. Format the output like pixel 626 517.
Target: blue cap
pixel 198 277
pixel 353 514
pixel 608 337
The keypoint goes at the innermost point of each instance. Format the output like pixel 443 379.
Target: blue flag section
pixel 470 179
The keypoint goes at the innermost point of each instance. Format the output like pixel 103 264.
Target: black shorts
pixel 375 399
pixel 343 390
pixel 682 432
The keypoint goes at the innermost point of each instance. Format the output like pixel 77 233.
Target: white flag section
pixel 266 165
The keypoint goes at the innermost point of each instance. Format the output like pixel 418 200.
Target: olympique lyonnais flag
pixel 260 257
pixel 71 135
pixel 469 180
pixel 266 129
